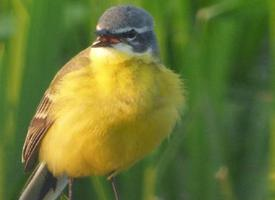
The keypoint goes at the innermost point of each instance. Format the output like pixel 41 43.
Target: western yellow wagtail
pixel 107 108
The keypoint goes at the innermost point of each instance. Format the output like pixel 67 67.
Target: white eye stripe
pixel 126 29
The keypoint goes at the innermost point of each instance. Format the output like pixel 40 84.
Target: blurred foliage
pixel 225 51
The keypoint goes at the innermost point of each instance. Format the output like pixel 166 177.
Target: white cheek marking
pixel 129 50
pixel 124 48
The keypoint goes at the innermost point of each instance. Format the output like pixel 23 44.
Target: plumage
pixel 43 185
pixel 106 109
pixel 42 121
pixel 115 113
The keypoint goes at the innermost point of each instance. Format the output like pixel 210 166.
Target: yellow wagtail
pixel 107 108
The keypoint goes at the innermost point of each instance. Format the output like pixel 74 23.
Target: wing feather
pixel 42 121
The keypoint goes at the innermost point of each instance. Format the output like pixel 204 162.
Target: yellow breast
pixel 109 115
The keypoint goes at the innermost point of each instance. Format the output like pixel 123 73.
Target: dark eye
pixel 130 34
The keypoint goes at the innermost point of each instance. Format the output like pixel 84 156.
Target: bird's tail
pixel 42 185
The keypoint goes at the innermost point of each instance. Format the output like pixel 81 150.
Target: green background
pixel 224 148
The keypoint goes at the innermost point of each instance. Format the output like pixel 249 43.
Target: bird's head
pixel 127 29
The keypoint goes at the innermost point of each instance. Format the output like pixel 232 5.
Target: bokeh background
pixel 224 148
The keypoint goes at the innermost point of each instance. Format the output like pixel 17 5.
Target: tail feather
pixel 42 185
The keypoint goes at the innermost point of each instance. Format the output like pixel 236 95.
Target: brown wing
pixel 41 121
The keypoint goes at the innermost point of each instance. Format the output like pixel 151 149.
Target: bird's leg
pixel 113 182
pixel 70 189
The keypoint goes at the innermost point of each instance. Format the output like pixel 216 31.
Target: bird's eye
pixel 130 34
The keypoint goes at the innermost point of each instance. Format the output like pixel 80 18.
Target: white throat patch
pixel 117 53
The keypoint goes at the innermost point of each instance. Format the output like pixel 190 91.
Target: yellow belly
pixel 108 119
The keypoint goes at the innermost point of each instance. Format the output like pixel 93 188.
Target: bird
pixel 106 109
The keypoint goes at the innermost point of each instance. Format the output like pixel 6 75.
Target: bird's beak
pixel 105 41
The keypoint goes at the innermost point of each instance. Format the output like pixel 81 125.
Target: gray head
pixel 126 28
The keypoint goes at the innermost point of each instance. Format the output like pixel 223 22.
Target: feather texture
pixel 42 119
pixel 43 185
